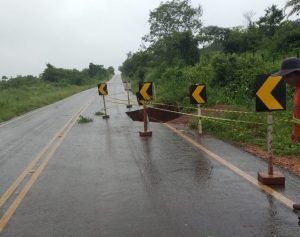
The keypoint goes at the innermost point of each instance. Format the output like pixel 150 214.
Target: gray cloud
pixel 73 33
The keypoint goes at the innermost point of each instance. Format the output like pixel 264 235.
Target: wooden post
pixel 270 177
pixel 127 88
pixel 145 118
pixel 105 116
pixel 270 141
pixel 146 133
pixel 200 120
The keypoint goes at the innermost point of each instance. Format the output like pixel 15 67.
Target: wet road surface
pixel 105 180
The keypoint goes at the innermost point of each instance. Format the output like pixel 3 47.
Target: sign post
pixel 102 90
pixel 200 120
pixel 145 94
pixel 105 116
pixel 270 141
pixel 198 97
pixel 270 96
pixel 128 88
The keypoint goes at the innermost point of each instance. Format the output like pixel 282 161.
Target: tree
pixel 234 41
pixel 295 5
pixel 287 37
pixel 171 17
pixel 271 20
pixel 50 74
pixel 212 35
pixel 178 48
pixel 249 15
pixel 111 70
pixel 95 70
pixel 135 66
pixel 4 78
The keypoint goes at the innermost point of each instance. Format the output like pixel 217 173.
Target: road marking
pixel 47 151
pixel 289 203
pixel 18 118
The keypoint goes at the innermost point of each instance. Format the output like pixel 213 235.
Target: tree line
pixel 179 50
pixel 61 76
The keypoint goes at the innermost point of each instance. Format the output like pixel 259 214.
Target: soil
pixel 290 163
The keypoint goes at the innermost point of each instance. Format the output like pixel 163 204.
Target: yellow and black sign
pixel 198 94
pixel 270 93
pixel 138 97
pixel 145 91
pixel 102 89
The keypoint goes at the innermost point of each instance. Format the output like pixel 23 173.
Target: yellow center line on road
pixel 283 199
pixel 47 153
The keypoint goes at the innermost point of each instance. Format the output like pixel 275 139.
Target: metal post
pixel 199 121
pixel 270 141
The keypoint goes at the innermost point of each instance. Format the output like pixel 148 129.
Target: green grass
pixel 19 100
pixel 252 133
pixel 83 119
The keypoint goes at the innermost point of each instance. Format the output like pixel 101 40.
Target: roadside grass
pixel 19 100
pixel 83 119
pixel 99 113
pixel 254 134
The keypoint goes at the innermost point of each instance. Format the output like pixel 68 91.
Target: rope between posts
pixel 204 109
pixel 294 120
pixel 212 118
pixel 198 116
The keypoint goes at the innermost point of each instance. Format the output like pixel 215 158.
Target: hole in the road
pixel 153 114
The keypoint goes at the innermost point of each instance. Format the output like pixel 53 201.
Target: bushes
pixel 75 77
pixel 235 74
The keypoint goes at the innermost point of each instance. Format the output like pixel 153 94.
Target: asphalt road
pixel 103 179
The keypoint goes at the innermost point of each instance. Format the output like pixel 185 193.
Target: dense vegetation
pixel 24 93
pixel 179 51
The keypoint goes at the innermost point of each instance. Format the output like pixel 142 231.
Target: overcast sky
pixel 73 33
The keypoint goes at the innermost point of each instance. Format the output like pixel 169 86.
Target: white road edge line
pixel 283 199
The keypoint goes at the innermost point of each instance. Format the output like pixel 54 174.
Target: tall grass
pixel 17 100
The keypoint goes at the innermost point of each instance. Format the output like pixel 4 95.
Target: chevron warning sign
pixel 145 91
pixel 270 93
pixel 102 89
pixel 198 94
